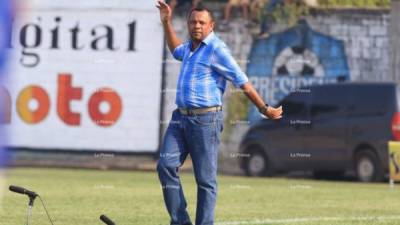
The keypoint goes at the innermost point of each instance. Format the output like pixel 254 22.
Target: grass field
pixel 78 197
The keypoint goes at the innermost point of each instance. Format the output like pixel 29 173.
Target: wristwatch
pixel 263 109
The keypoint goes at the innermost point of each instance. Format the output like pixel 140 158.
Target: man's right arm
pixel 166 20
pixel 170 35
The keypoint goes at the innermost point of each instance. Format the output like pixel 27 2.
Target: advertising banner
pixel 85 76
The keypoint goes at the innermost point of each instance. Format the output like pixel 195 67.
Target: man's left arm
pixel 268 111
pixel 225 64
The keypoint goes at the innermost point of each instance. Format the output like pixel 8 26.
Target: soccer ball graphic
pixel 297 61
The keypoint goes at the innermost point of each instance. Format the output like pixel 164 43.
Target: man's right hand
pixel 165 11
pixel 166 17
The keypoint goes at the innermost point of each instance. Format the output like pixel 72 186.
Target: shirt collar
pixel 206 40
pixel 209 38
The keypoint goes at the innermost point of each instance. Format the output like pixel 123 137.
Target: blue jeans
pixel 199 136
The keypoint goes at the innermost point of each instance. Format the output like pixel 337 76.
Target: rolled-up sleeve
pixel 179 51
pixel 224 64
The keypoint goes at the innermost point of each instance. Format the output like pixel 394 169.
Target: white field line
pixel 309 219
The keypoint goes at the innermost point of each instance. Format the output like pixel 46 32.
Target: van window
pixel 328 101
pixel 295 104
pixel 370 100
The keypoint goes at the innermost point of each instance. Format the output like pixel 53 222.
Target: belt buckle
pixel 190 112
pixel 186 111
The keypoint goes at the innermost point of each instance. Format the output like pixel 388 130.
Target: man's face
pixel 200 25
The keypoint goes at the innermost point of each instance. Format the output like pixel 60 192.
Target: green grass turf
pixel 78 197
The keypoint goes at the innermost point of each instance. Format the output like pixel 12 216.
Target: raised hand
pixel 165 11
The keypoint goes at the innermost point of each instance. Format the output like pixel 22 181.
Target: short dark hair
pixel 201 9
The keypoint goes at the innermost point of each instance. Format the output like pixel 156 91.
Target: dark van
pixel 328 129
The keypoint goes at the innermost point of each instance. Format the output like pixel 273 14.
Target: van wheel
pixel 257 164
pixel 367 166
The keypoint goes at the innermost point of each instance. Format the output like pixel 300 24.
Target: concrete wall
pixel 394 40
pixel 365 34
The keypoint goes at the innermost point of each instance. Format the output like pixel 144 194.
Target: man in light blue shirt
pixel 196 125
pixel 204 73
